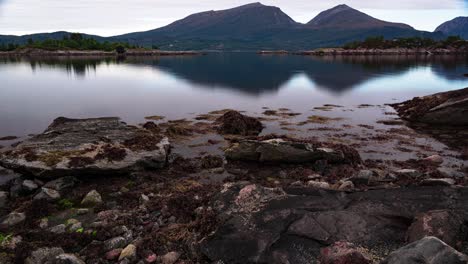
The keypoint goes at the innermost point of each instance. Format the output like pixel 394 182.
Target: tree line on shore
pixel 74 41
pixel 408 43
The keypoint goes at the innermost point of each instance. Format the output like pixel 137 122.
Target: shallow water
pixel 35 91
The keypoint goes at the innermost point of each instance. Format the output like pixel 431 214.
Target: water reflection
pixel 257 75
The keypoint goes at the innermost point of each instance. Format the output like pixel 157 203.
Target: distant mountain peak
pixel 346 17
pixel 455 27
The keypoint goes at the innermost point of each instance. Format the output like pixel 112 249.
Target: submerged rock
pixel 281 151
pixel 235 123
pixel 87 146
pixel 448 108
pixel 430 250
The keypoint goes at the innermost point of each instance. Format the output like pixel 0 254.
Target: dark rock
pixel 443 224
pixel 343 253
pixel 280 151
pixel 235 123
pixel 68 259
pixel 270 226
pixel 47 194
pixel 75 147
pixel 448 108
pixel 8 138
pixel 3 199
pixel 428 250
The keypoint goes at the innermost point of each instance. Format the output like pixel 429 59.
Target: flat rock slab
pixel 448 108
pixel 262 225
pixel 77 147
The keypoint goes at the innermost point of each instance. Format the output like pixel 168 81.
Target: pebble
pixel 29 185
pixel 151 258
pixel 113 254
pixel 320 185
pixel 408 173
pixel 435 159
pixel 82 211
pixel 116 242
pixel 47 194
pixel 129 252
pixel 58 229
pixel 14 218
pixel 44 223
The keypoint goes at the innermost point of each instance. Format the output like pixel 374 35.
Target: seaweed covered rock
pixel 235 123
pixel 75 147
pixel 448 108
pixel 281 151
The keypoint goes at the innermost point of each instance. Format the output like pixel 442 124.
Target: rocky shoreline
pixel 97 53
pixel 367 52
pixel 101 191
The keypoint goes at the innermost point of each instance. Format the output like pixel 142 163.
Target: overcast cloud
pixel 111 17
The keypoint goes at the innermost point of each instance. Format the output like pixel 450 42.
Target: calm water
pixel 34 92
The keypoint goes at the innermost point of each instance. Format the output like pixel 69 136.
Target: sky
pixel 112 17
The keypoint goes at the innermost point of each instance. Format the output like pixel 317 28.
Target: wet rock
pixel 280 151
pixel 443 224
pixel 429 250
pixel 29 185
pixel 343 253
pixel 438 182
pixel 44 255
pixel 75 147
pixel 434 159
pixel 408 173
pixel 47 194
pixel 447 108
pixel 129 252
pixel 309 217
pixel 68 259
pixel 113 254
pixel 13 219
pixel 3 199
pixel 235 123
pixel 92 198
pixel 62 183
pixel 170 258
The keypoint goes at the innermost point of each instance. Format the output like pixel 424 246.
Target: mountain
pixel 455 27
pixel 345 17
pixel 41 36
pixel 260 27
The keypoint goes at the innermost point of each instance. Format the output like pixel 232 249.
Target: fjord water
pixel 35 91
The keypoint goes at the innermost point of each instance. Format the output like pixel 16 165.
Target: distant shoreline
pixel 341 51
pixel 94 53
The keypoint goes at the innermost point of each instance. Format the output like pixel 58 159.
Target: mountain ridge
pixel 457 27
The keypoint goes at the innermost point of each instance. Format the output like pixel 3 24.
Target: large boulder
pixel 281 151
pixel 235 123
pixel 448 108
pixel 74 147
pixel 429 250
pixel 259 224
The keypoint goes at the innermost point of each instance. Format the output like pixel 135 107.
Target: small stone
pixel 3 199
pixel 129 252
pixel 29 185
pixel 58 229
pixel 47 194
pixel 14 218
pixel 92 198
pixel 151 258
pixel 449 173
pixel 113 254
pixel 144 198
pixel 68 259
pixel 319 185
pixel 438 182
pixel 82 211
pixel 75 227
pixel 435 159
pixel 44 223
pixel 170 258
pixel 11 243
pixel 113 243
pixel 297 184
pixel 346 186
